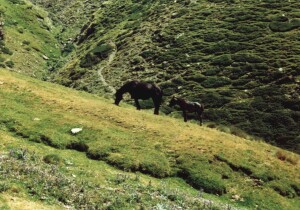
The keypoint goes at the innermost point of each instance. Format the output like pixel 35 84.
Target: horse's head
pixel 173 101
pixel 119 97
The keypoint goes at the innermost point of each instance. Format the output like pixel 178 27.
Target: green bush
pixel 225 47
pixel 17 1
pixel 246 57
pixel 25 42
pixel 222 60
pixel 204 179
pixel 247 28
pixel 5 50
pixel 4 186
pixel 214 36
pixel 195 77
pixel 103 50
pixel 283 189
pixel 284 26
pixel 147 54
pixel 68 48
pixel 52 159
pixel 10 64
pixel 214 82
pixel 100 52
pixel 212 72
pixel 214 100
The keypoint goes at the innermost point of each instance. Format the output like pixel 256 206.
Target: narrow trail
pixel 111 57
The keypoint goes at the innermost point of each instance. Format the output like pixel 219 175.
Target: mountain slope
pixel 238 58
pixel 35 115
pixel 29 44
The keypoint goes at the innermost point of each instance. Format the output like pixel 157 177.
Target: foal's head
pixel 173 101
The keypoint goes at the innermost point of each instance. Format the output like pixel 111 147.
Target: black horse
pixel 141 90
pixel 188 106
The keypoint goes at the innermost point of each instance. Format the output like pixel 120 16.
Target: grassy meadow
pixel 124 158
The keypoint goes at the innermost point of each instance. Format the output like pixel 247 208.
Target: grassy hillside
pixel 29 44
pixel 125 158
pixel 240 58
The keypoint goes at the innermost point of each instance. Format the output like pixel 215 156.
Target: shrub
pixel 4 186
pixel 68 48
pixel 246 57
pixel 284 26
pixel 79 146
pixel 214 82
pixel 225 47
pixel 283 189
pixel 137 60
pixel 214 100
pixel 214 36
pixel 238 132
pixel 196 78
pixel 204 179
pixel 100 52
pixel 222 60
pixel 52 159
pixel 147 54
pixel 5 50
pixel 10 64
pixel 212 72
pixel 284 156
pixel 17 1
pixel 26 42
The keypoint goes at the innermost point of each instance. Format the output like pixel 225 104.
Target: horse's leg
pixel 138 107
pixel 184 116
pixel 156 103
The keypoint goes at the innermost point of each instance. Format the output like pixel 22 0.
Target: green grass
pixel 157 155
pixel 29 37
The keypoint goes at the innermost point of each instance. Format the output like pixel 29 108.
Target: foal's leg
pixel 200 117
pixel 138 107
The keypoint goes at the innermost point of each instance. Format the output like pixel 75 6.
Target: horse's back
pixel 199 106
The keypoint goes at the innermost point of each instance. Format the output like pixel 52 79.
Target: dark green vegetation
pixel 42 159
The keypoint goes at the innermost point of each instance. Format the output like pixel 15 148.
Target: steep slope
pixel 35 115
pixel 240 58
pixel 29 44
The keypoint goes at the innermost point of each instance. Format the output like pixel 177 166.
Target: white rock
pixel 76 130
pixel 45 57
